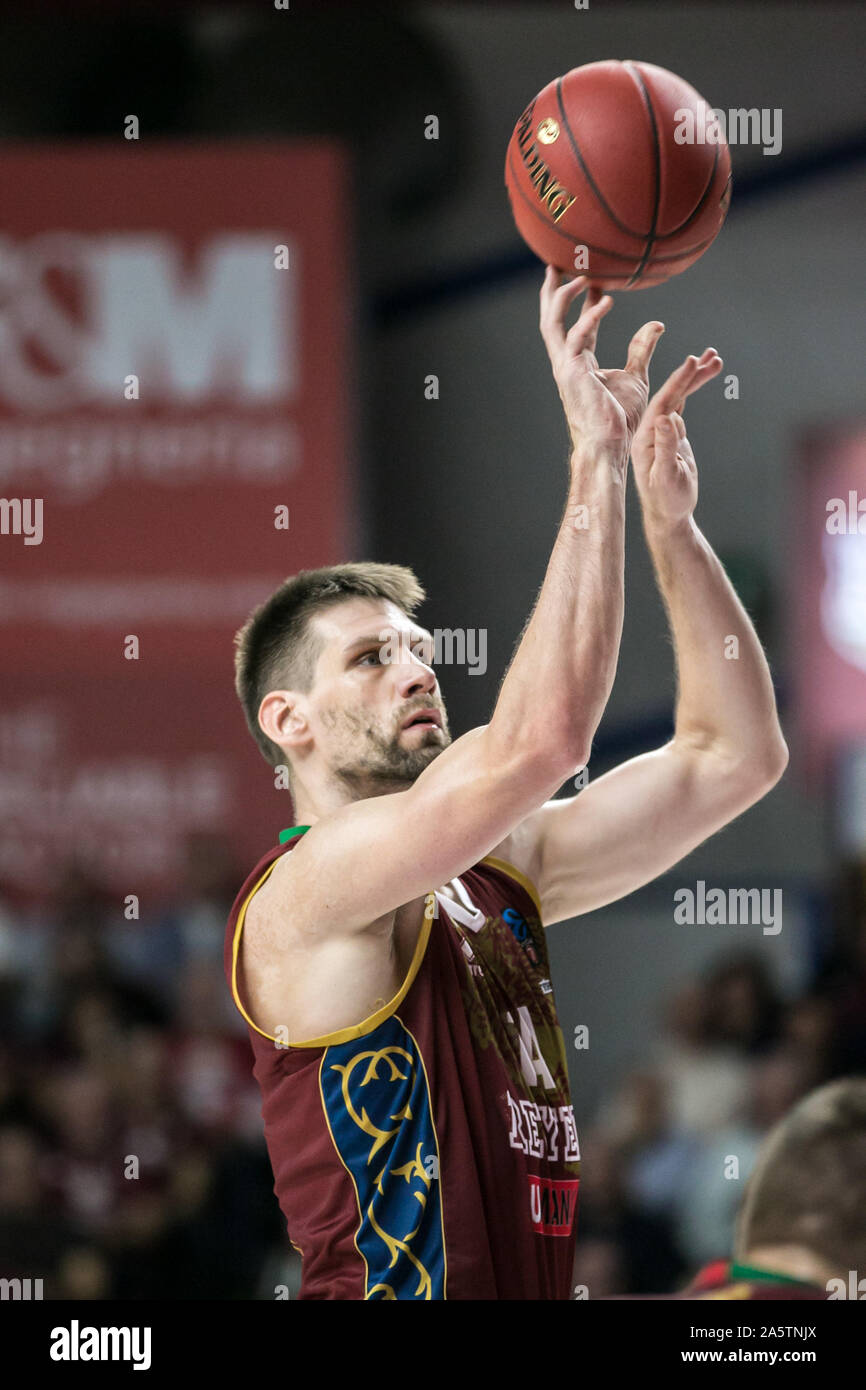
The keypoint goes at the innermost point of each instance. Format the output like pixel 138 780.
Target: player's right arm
pixel 364 860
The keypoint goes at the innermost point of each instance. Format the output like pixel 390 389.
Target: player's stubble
pixel 369 762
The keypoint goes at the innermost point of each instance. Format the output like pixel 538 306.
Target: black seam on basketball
pixel 635 75
pixel 599 250
pixel 587 175
pixel 664 236
pixel 687 250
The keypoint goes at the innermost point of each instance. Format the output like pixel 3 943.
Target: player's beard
pixel 369 762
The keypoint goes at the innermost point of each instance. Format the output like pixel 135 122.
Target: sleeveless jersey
pixel 430 1151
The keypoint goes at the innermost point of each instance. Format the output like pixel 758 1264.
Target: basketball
pixel 619 171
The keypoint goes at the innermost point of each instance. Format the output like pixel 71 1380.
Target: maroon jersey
pixel 429 1151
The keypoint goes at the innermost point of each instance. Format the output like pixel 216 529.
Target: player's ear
pixel 283 717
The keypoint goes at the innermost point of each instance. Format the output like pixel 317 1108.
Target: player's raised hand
pixel 603 407
pixel 664 465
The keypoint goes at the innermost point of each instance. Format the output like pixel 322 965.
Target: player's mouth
pixel 423 719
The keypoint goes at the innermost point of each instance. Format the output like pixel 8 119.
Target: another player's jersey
pixel 728 1281
pixel 430 1151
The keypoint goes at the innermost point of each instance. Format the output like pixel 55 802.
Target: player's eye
pixel 374 652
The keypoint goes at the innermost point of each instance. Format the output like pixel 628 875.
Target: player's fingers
pixel 674 391
pixel 545 295
pixel 555 301
pixel 549 286
pixel 583 335
pixel 708 356
pixel 565 296
pixel 642 347
pixel 564 291
pixel 708 367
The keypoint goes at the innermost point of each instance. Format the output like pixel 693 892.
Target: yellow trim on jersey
pixel 517 874
pixel 357 1030
pixel 236 948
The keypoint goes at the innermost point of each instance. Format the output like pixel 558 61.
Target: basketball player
pixel 389 954
pixel 801 1231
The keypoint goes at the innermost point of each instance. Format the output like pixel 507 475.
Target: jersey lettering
pixel 532 1062
pixel 535 1129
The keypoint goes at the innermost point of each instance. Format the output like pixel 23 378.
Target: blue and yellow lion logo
pixel 376 1099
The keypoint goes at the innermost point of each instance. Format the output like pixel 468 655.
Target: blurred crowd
pixel 666 1159
pixel 132 1162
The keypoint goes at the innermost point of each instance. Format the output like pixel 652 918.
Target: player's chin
pixel 419 752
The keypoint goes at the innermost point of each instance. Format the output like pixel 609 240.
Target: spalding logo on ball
pixel 619 172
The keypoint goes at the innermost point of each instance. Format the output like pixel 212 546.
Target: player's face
pixel 373 675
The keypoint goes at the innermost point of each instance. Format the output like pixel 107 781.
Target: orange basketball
pixel 618 171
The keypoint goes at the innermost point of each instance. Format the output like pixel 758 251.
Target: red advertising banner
pixel 829 568
pixel 173 443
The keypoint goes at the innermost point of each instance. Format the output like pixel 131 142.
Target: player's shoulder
pixel 287 901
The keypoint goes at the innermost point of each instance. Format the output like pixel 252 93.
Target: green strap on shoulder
pixel 292 831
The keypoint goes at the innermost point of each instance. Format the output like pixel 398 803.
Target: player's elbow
pixel 763 766
pixel 772 759
pixel 569 741
pixel 555 750
pixel 567 753
pixel 739 775
pixel 552 763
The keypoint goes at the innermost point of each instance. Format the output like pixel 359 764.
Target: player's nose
pixel 416 676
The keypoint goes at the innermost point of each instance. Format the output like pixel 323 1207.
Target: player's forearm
pixel 561 675
pixel 725 697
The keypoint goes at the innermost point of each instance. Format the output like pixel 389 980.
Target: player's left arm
pixel 727 750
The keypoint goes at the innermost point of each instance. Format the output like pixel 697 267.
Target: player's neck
pixel 311 804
